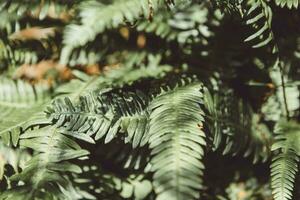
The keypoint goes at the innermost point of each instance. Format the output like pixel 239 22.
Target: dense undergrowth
pixel 149 99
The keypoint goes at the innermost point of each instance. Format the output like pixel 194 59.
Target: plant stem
pixel 284 90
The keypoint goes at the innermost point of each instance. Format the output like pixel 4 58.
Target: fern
pixel 20 105
pixel 96 17
pixel 288 3
pixel 177 140
pixel 185 24
pixel 53 151
pixel 16 57
pixel 233 133
pixel 285 163
pixel 136 126
pixel 262 21
pixel 100 116
pixel 228 5
pixel 136 66
pixel 117 123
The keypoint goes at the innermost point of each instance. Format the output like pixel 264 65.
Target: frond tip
pixel 176 141
pixel 285 164
pixel 288 3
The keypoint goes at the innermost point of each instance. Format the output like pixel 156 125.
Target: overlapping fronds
pixel 96 17
pixel 45 171
pixel 176 139
pixel 186 24
pixel 137 66
pixel 121 125
pixel 285 162
pixel 20 104
pixel 102 116
pixel 235 128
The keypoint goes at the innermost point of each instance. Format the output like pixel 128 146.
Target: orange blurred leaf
pixel 33 33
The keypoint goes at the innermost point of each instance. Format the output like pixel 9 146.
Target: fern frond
pixel 288 3
pixel 20 105
pixel 47 169
pixel 259 16
pixel 136 67
pixel 10 55
pixel 96 17
pixel 37 8
pixel 285 163
pixel 90 117
pixel 186 24
pixel 95 110
pixel 228 5
pixel 80 86
pixel 176 140
pixel 102 116
pixel 234 126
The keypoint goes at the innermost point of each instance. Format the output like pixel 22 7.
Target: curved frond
pixel 259 16
pixel 285 162
pixel 176 141
pixel 103 116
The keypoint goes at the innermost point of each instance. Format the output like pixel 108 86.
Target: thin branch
pixel 284 89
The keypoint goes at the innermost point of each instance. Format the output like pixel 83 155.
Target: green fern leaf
pixel 285 163
pixel 45 171
pixel 103 116
pixel 176 140
pixel 261 22
pixel 186 24
pixel 96 17
pixel 235 127
pixel 20 105
pixel 288 3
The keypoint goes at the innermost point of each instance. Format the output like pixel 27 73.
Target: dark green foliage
pixel 285 163
pixel 149 99
pixel 20 105
pixel 177 142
